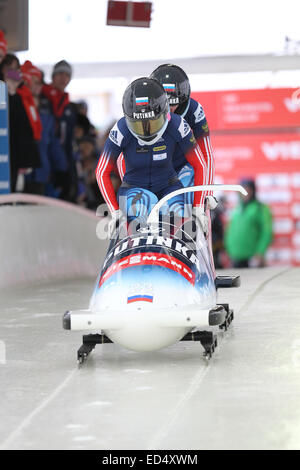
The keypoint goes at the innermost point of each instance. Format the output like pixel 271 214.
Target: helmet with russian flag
pixel 176 84
pixel 146 109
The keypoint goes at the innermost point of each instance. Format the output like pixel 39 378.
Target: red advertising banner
pixel 256 133
pixel 251 109
pixel 250 154
pixel 273 160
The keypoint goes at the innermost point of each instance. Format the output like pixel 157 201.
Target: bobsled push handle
pixel 153 216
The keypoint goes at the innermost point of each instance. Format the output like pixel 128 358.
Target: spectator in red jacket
pixel 39 181
pixel 24 122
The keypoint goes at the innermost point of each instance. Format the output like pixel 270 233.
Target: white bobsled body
pixel 154 287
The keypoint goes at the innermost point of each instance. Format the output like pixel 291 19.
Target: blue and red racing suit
pixel 149 168
pixel 196 118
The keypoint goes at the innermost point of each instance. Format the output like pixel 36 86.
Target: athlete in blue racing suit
pixel 177 86
pixel 147 136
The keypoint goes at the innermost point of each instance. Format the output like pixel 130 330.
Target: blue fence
pixel 4 141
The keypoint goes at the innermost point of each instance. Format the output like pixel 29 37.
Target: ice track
pixel 246 397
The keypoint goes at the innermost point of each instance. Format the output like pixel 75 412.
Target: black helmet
pixel 176 84
pixel 146 109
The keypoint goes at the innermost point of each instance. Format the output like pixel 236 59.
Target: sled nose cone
pixel 146 338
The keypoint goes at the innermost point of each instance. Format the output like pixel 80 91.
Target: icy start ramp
pixel 42 238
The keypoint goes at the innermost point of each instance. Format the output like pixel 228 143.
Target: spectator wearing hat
pixel 65 121
pixel 249 232
pixel 24 122
pixel 3 46
pixel 52 155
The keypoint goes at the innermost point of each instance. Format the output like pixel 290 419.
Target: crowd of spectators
pixel 54 148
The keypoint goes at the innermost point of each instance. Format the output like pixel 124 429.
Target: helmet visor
pixel 148 127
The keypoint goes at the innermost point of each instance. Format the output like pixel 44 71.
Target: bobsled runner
pixel 157 286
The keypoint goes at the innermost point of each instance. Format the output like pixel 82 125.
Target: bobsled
pixel 157 286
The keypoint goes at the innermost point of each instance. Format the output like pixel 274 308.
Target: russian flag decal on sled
pixel 139 298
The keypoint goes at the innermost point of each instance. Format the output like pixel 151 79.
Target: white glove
pixel 198 212
pixel 112 224
pixel 211 202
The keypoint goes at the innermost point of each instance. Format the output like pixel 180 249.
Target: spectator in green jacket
pixel 249 232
